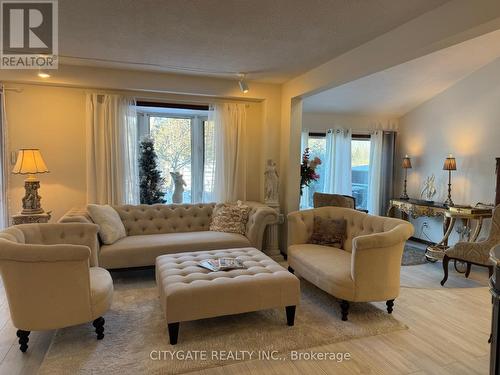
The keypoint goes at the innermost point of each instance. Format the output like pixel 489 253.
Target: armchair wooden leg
pixel 290 315
pixel 23 339
pixel 446 260
pixel 290 269
pixel 99 327
pixel 390 306
pixel 173 332
pixel 467 273
pixel 344 307
pixel 491 269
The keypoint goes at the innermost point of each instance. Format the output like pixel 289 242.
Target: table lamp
pixel 30 162
pixel 406 165
pixel 450 164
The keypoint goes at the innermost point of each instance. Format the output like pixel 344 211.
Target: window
pixel 360 164
pixel 184 142
pixel 317 148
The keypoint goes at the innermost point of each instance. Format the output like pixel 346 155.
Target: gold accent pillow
pixel 230 218
pixel 329 232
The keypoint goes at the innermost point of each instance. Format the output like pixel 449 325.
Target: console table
pixel 415 208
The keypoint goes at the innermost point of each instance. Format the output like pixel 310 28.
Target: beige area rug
pixel 135 326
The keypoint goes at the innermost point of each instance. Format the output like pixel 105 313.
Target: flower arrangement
pixel 308 169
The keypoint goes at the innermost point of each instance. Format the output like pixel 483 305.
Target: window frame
pixel 197 134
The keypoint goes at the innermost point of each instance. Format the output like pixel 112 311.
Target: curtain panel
pixel 338 170
pixel 112 150
pixel 4 163
pixel 229 121
pixel 375 174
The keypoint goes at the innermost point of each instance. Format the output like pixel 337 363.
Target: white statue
pixel 179 187
pixel 271 183
pixel 429 189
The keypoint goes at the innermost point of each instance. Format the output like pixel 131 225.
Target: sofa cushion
pixel 111 227
pixel 326 267
pixel 329 232
pixel 230 218
pixel 142 250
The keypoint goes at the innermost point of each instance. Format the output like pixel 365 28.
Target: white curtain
pixel 4 163
pixel 338 171
pixel 112 150
pixel 229 121
pixel 304 141
pixel 375 176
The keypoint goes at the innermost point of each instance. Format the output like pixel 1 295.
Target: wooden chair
pixel 334 200
pixel 477 253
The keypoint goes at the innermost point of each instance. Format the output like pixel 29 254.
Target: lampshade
pixel 406 162
pixel 450 164
pixel 29 161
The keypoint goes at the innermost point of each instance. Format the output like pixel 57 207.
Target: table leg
pixel 447 227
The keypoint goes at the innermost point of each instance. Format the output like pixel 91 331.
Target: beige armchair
pixel 47 278
pixel 477 253
pixel 366 269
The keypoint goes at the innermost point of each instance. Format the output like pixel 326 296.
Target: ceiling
pixel 272 40
pixel 396 91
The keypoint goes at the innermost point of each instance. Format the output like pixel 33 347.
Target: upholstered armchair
pixel 477 253
pixel 51 277
pixel 366 269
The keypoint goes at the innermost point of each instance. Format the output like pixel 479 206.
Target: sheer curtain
pixel 4 163
pixel 112 150
pixel 229 122
pixel 338 170
pixel 375 174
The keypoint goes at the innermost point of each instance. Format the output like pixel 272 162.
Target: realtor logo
pixel 29 34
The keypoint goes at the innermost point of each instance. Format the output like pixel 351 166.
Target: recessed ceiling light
pixel 43 75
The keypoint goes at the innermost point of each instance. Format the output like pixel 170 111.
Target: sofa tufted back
pixel 358 223
pixel 161 218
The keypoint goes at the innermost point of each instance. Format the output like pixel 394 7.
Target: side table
pixel 44 217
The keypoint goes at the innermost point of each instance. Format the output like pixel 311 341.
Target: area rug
pixel 413 256
pixel 136 331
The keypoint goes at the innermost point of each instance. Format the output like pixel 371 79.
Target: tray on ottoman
pixel 190 292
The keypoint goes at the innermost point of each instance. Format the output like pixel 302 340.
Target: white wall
pixel 465 121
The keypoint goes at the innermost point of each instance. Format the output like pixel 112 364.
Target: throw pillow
pixel 111 227
pixel 329 232
pixel 230 218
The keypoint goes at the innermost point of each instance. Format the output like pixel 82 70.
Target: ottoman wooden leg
pixel 290 315
pixel 173 332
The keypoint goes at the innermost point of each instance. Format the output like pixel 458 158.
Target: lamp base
pixel 449 202
pixel 31 200
pixel 404 196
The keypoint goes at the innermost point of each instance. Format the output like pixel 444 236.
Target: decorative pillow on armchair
pixel 111 227
pixel 230 218
pixel 329 232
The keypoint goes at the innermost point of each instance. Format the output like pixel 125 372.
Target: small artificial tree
pixel 149 175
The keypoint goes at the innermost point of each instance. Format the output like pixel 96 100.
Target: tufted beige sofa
pixel 50 277
pixel 154 230
pixel 366 269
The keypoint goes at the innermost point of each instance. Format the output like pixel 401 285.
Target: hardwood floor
pixel 448 333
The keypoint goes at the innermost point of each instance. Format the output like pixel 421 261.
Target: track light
pixel 243 84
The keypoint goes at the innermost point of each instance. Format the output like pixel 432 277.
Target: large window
pixel 360 165
pixel 317 148
pixel 183 141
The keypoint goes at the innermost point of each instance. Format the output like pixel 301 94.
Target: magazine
pixel 221 264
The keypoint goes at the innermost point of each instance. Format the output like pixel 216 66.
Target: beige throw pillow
pixel 111 227
pixel 329 232
pixel 230 218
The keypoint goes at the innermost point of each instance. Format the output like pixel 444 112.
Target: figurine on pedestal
pixel 271 198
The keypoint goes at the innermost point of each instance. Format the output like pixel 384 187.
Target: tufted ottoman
pixel 189 292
